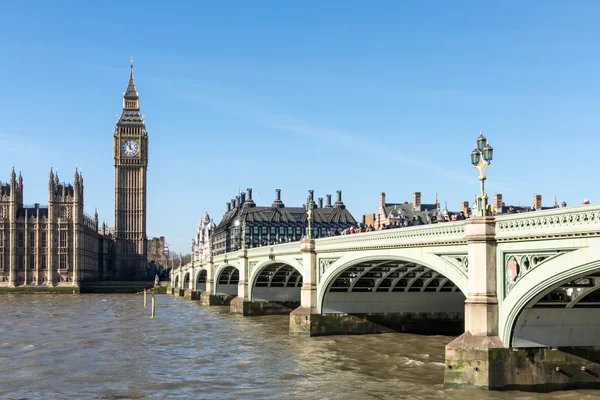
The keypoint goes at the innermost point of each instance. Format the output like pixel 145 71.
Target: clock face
pixel 129 148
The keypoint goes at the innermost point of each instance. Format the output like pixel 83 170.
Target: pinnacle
pixel 131 92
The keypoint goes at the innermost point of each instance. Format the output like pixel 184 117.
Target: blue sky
pixel 356 96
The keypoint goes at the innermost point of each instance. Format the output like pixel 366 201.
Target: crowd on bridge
pixel 404 222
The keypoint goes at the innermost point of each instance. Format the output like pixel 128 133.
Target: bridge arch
pixel 200 280
pixel 176 281
pixel 552 305
pixel 227 277
pixel 434 264
pixel 276 281
pixel 186 280
pixel 394 291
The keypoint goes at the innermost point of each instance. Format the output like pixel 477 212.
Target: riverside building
pixel 57 243
pixel 256 226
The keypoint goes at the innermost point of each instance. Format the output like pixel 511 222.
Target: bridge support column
pixel 476 358
pixel 208 298
pixel 305 320
pixel 240 305
pixel 191 293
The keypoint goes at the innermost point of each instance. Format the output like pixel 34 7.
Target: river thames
pixel 107 347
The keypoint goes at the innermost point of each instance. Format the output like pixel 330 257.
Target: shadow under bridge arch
pixel 398 294
pixel 227 281
pixel 277 282
pixel 186 281
pixel 561 315
pixel 201 280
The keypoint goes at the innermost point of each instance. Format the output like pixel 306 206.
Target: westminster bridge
pixel 521 290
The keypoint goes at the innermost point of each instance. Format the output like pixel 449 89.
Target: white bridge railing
pixel 570 221
pixel 423 235
pixel 557 222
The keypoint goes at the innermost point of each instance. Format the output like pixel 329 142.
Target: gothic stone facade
pixel 58 244
pixel 201 245
pixel 130 151
pixel 48 245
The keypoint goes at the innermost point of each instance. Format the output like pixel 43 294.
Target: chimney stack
pixel 311 198
pixel 328 201
pixel 498 204
pixel 339 203
pixel 233 205
pixel 249 202
pixel 382 199
pixel 228 206
pixel 277 203
pixel 537 201
pixel 417 201
pixel 242 198
pixel 464 207
pixel 320 202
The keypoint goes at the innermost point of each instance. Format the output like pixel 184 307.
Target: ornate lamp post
pixel 481 157
pixel 308 207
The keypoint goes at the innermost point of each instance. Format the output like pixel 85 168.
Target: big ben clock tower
pixel 130 152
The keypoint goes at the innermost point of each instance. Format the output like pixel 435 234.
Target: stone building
pixel 130 153
pixel 58 244
pixel 394 213
pixel 158 257
pixel 48 245
pixel 262 225
pixel 201 246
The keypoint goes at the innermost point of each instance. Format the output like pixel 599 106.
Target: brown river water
pixel 107 347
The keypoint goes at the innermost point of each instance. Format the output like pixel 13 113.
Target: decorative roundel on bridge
pixel 512 269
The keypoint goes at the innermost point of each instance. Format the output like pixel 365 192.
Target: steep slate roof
pixel 286 215
pixel 130 116
pixel 131 92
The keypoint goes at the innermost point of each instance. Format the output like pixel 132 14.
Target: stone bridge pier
pixel 471 358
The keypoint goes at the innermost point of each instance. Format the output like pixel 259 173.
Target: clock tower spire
pixel 130 153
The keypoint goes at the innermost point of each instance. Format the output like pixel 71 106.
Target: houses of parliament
pixel 58 244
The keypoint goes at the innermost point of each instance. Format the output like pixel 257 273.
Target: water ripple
pixel 107 347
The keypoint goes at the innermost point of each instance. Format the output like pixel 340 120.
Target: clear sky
pixel 362 97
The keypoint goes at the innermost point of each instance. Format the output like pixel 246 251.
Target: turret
pixel 50 183
pixel 16 198
pixel 76 186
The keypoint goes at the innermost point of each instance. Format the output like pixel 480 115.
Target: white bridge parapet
pixel 557 222
pixel 415 236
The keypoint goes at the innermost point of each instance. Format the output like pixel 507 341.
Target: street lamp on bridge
pixel 481 157
pixel 309 207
